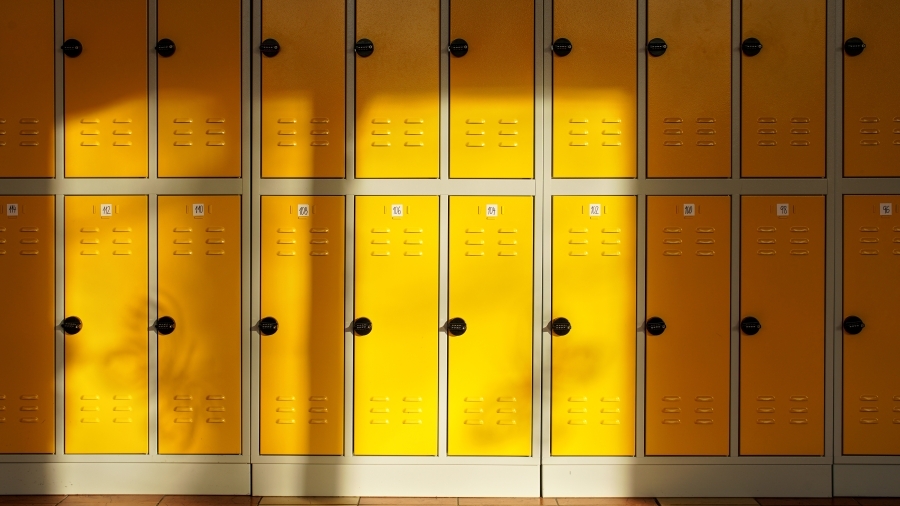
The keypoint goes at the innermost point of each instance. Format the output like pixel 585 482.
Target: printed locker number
pixel 396 210
pixel 886 209
pixel 106 210
pixel 690 209
pixel 491 210
pixel 782 209
pixel 303 210
pixel 594 210
pixel 199 210
pixel 12 210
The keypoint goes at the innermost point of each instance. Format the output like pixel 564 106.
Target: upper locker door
pixel 871 378
pixel 689 88
pixel 688 328
pixel 106 88
pixel 593 408
pixel 594 88
pixel 27 126
pixel 396 325
pixel 397 88
pixel 492 89
pixel 106 324
pixel 303 67
pixel 27 336
pixel 302 328
pixel 199 324
pixel 199 88
pixel 783 88
pixel 871 101
pixel 782 325
pixel 491 326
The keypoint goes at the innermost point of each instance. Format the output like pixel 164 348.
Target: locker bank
pixel 449 248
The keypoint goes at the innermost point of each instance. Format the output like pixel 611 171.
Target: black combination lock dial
pixel 750 326
pixel 362 326
pixel 853 325
pixel 165 325
pixel 656 326
pixel 71 325
pixel 165 48
pixel 459 48
pixel 270 48
pixel 268 326
pixel 72 48
pixel 657 47
pixel 562 47
pixel 457 327
pixel 854 46
pixel 751 46
pixel 561 326
pixel 364 48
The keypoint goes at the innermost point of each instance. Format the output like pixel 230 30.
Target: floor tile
pixel 878 501
pixel 506 501
pixel 697 501
pixel 606 501
pixel 823 501
pixel 209 499
pixel 413 501
pixel 95 499
pixel 310 500
pixel 32 499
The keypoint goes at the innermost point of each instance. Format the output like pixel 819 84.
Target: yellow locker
pixel 396 326
pixel 302 326
pixel 199 88
pixel 689 88
pixel 106 324
pixel 593 408
pixel 688 327
pixel 199 324
pixel 106 88
pixel 594 88
pixel 782 325
pixel 303 88
pixel 27 79
pixel 397 88
pixel 491 325
pixel 871 405
pixel 27 336
pixel 871 102
pixel 783 88
pixel 492 89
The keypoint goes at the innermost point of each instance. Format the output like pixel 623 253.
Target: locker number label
pixel 690 210
pixel 106 210
pixel 303 210
pixel 396 210
pixel 12 210
pixel 782 209
pixel 491 210
pixel 883 209
pixel 594 210
pixel 199 210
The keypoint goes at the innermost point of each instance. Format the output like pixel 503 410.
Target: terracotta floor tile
pixel 506 501
pixel 413 501
pixel 342 501
pixel 606 501
pixel 823 501
pixel 697 501
pixel 878 501
pixel 81 499
pixel 208 499
pixel 32 499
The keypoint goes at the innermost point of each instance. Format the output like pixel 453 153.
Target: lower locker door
pixel 27 336
pixel 199 290
pixel 396 362
pixel 491 326
pixel 593 326
pixel 688 361
pixel 302 346
pixel 106 289
pixel 782 325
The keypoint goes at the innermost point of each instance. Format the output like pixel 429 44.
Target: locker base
pixel 866 480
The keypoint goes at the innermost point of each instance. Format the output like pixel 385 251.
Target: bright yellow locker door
pixel 397 88
pixel 593 409
pixel 594 88
pixel 782 325
pixel 689 88
pixel 490 327
pixel 106 88
pixel 106 324
pixel 871 101
pixel 396 326
pixel 688 326
pixel 302 326
pixel 199 88
pixel 492 89
pixel 783 88
pixel 27 336
pixel 303 60
pixel 199 324
pixel 871 408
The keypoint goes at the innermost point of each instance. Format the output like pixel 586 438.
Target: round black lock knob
pixel 165 325
pixel 459 48
pixel 562 47
pixel 854 46
pixel 657 47
pixel 457 327
pixel 362 326
pixel 364 47
pixel 165 48
pixel 71 48
pixel 268 326
pixel 270 47
pixel 561 326
pixel 853 325
pixel 750 326
pixel 751 46
pixel 71 325
pixel 656 326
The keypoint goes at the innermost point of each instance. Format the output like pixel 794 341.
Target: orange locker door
pixel 783 88
pixel 871 101
pixel 303 61
pixel 689 88
pixel 782 325
pixel 594 88
pixel 106 88
pixel 27 79
pixel 199 88
pixel 688 335
pixel 27 336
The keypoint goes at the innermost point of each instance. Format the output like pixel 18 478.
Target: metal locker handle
pixel 270 48
pixel 268 326
pixel 562 46
pixel 72 325
pixel 853 325
pixel 750 326
pixel 656 326
pixel 457 327
pixel 459 48
pixel 165 325
pixel 72 48
pixel 751 46
pixel 362 326
pixel 364 48
pixel 657 47
pixel 561 326
pixel 854 46
pixel 165 48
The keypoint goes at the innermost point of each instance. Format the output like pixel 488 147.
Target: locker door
pixel 871 397
pixel 782 325
pixel 492 89
pixel 871 102
pixel 199 293
pixel 27 336
pixel 397 88
pixel 689 88
pixel 303 88
pixel 689 359
pixel 199 88
pixel 27 80
pixel 106 324
pixel 783 88
pixel 106 88
pixel 396 354
pixel 302 327
pixel 490 327
pixel 594 88
pixel 593 326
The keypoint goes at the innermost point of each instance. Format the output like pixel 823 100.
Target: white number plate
pixel 886 209
pixel 302 210
pixel 199 210
pixel 690 210
pixel 106 210
pixel 12 210
pixel 594 210
pixel 782 209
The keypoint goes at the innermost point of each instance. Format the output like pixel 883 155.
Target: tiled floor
pixel 216 500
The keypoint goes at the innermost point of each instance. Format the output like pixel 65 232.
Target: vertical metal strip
pixel 641 51
pixel 540 51
pixel 153 337
pixel 734 426
pixel 835 174
pixel 253 226
pixel 349 256
pixel 60 299
pixel 736 18
pixel 152 93
pixel 443 316
pixel 543 184
pixel 831 226
pixel 445 90
pixel 248 395
pixel 641 310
